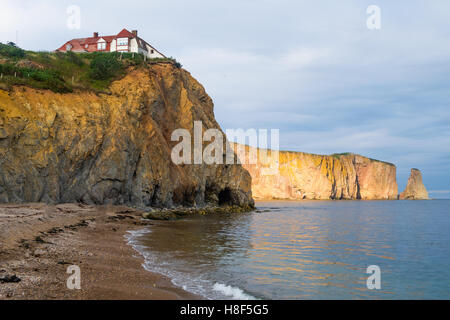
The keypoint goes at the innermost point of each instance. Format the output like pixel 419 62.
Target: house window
pixel 68 47
pixel 122 42
pixel 152 51
pixel 101 46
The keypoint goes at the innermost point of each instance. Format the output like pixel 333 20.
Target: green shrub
pixel 11 50
pixel 176 63
pixel 104 66
pixel 65 72
pixel 171 60
pixel 74 58
pixel 50 79
pixel 7 69
pixel 43 79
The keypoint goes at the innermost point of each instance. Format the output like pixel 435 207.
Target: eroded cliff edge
pixel 301 175
pixel 415 189
pixel 112 148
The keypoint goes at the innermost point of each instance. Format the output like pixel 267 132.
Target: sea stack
pixel 415 190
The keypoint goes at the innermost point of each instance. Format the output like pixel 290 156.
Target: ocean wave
pixel 232 292
pixel 189 282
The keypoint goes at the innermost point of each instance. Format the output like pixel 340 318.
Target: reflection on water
pixel 309 250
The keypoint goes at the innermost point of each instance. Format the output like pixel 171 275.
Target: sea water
pixel 306 250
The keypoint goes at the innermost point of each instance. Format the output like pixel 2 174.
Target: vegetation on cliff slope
pixel 66 72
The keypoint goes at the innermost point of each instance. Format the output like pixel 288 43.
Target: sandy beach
pixel 38 242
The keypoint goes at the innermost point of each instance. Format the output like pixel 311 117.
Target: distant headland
pixel 345 176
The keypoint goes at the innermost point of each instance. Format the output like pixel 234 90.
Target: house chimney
pixel 95 34
pixel 134 32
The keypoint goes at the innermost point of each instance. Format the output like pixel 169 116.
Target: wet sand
pixel 39 242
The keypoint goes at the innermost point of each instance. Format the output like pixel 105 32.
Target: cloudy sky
pixel 309 68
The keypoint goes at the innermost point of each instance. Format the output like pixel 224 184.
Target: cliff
pixel 415 190
pixel 308 176
pixel 112 148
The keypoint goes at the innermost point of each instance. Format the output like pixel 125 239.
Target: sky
pixel 312 69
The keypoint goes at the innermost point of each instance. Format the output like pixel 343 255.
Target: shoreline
pixel 338 200
pixel 38 242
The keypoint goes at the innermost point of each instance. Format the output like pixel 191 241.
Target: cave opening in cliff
pixel 225 197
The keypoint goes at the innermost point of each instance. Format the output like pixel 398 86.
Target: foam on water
pixel 232 292
pixel 192 283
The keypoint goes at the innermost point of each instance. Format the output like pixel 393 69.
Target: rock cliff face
pixel 415 190
pixel 112 148
pixel 308 176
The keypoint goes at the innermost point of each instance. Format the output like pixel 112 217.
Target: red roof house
pixel 124 41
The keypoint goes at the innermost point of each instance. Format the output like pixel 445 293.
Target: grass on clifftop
pixel 66 72
pixel 338 155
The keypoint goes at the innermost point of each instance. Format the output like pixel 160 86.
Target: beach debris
pixel 120 217
pixel 82 223
pixel 55 230
pixel 38 239
pixel 181 212
pixel 10 279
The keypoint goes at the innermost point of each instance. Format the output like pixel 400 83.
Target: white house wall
pixel 155 53
pixel 135 48
pixel 122 48
pixel 133 45
pixel 113 46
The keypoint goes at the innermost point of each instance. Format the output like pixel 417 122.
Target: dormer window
pixel 101 45
pixel 68 47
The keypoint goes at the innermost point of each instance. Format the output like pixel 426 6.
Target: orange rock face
pixel 112 148
pixel 415 189
pixel 308 176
